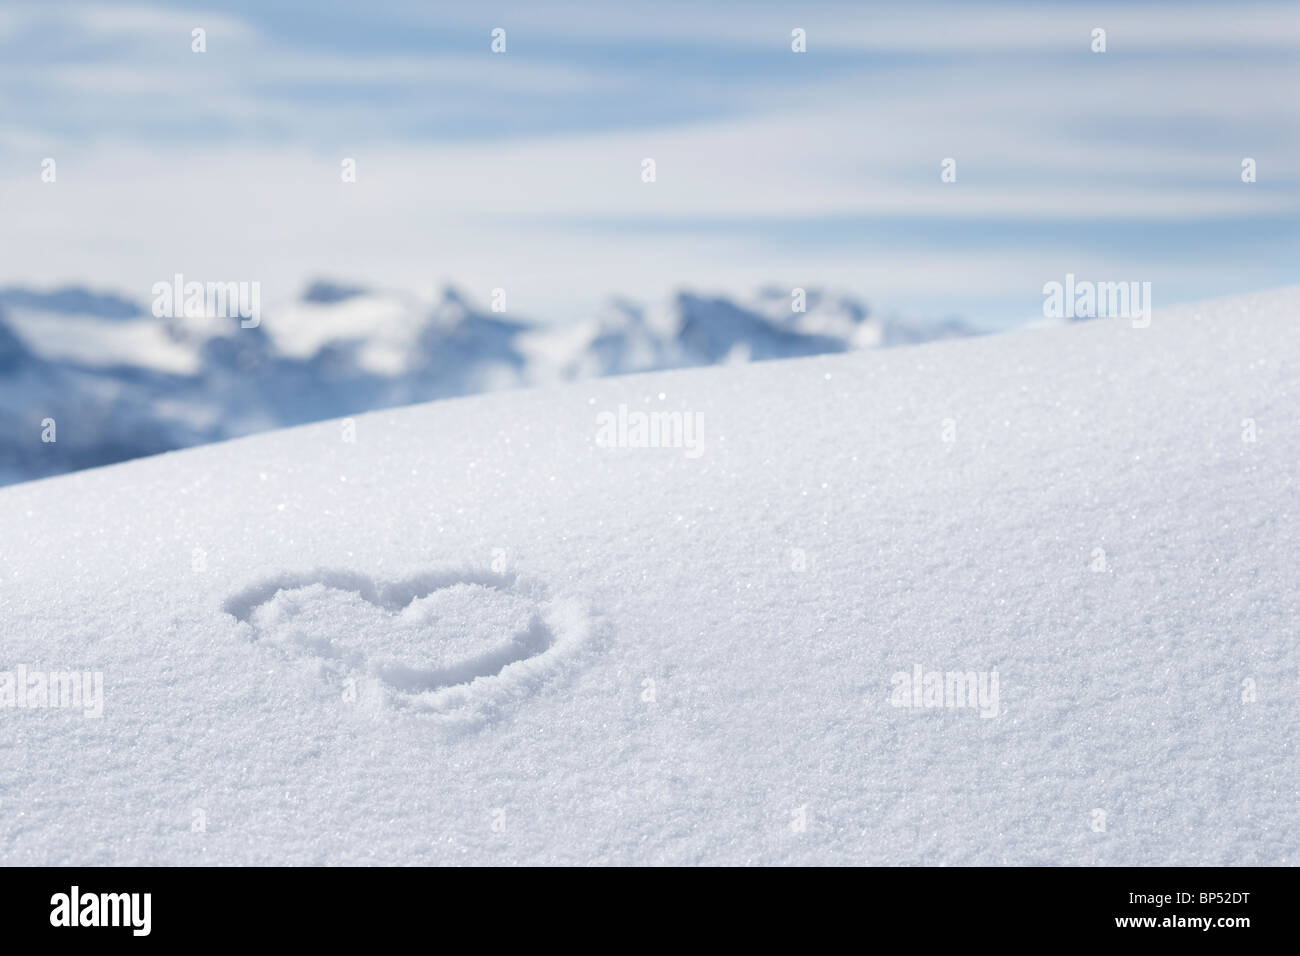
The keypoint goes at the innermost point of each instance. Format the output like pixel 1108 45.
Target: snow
pixel 120 384
pixel 387 328
pixel 473 636
pixel 91 341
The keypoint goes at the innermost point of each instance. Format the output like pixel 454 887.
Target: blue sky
pixel 522 170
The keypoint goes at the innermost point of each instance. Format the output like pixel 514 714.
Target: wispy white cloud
pixel 228 163
pixel 136 23
pixel 894 27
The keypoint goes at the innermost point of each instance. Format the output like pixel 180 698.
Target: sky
pixel 522 170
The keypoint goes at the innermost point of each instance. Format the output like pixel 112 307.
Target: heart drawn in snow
pixel 459 645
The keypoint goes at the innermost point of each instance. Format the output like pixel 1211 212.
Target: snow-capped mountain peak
pixel 343 348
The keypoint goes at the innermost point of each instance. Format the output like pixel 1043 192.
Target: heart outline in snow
pixel 467 691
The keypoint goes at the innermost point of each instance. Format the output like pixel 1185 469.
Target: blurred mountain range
pixel 108 381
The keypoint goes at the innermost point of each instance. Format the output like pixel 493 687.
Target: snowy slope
pixel 474 635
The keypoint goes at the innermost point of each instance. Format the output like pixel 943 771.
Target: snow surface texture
pixel 474 635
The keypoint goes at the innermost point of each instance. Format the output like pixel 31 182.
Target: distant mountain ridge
pixel 72 300
pixel 119 383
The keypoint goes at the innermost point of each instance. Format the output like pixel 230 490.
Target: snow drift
pixel 1027 599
